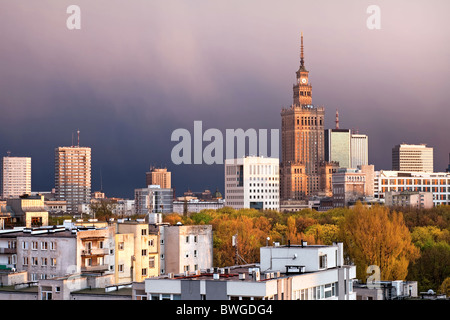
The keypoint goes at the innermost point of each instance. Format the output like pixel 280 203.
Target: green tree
pixel 103 210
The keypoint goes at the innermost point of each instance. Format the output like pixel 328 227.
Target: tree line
pixel 405 243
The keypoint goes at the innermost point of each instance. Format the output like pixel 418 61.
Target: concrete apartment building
pixel 160 177
pixel 73 176
pixel 438 183
pixel 412 158
pixel 136 252
pixel 16 177
pixel 295 272
pixel 252 182
pixel 183 248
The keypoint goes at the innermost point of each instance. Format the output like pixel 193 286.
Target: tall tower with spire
pixel 302 142
pixel 302 88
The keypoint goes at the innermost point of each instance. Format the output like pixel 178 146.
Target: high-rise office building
pixel 252 182
pixel 16 176
pixel 412 158
pixel 338 144
pixel 302 138
pixel 359 145
pixel 158 176
pixel 73 176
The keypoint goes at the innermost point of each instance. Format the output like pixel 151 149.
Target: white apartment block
pixel 413 158
pixel 16 176
pixel 438 183
pixel 294 272
pixel 252 182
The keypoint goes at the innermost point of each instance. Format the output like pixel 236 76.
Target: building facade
pixel 16 176
pixel 158 176
pixel 73 176
pixel 350 185
pixel 411 199
pixel 338 147
pixel 359 145
pixel 195 205
pixel 136 252
pixel 28 211
pixel 438 183
pixel 252 182
pixel 412 158
pixel 186 248
pixel 153 199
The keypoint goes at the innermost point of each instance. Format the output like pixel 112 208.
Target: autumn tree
pixel 377 236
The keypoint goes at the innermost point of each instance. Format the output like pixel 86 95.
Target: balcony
pixel 95 252
pixel 8 250
pixel 97 268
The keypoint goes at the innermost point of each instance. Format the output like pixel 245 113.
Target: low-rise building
pixel 386 290
pixel 196 205
pixel 350 185
pixel 294 272
pixel 411 199
pixel 28 211
pixel 438 183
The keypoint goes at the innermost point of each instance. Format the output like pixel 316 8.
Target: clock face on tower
pixel 304 80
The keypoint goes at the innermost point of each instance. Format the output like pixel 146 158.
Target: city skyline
pixel 135 73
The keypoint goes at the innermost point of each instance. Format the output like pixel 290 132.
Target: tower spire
pixel 302 61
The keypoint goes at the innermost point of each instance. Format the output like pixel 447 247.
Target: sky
pixel 139 69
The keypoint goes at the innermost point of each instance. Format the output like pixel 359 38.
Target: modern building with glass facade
pixel 153 199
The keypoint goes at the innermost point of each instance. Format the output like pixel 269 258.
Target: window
pixel 53 262
pixel 144 252
pixel 34 245
pixel 52 245
pixel 25 245
pixel 323 262
pixel 187 239
pixel 144 272
pixel 44 245
pixel 43 262
pixel 121 245
pixel 151 262
pixel 144 232
pixel 120 268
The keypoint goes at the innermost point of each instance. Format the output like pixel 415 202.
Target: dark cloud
pixel 137 70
